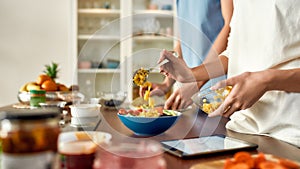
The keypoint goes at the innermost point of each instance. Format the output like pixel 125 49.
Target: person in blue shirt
pixel 203 31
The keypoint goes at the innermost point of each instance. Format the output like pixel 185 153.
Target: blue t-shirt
pixel 200 22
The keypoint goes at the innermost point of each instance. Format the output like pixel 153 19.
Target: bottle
pixel 37 97
pixel 29 138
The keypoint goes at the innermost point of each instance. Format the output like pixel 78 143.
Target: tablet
pixel 205 145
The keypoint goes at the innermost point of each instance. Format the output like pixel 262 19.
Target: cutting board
pixel 219 164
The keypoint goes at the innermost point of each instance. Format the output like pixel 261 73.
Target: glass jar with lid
pixel 29 137
pixel 37 97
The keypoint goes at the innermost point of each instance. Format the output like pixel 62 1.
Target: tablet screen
pixel 204 145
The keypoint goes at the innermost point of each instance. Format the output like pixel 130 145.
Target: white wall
pixel 34 33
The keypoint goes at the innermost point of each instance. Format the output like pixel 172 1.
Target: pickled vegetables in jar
pixel 29 136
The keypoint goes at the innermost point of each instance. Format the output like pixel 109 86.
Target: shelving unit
pixel 99 71
pixel 104 12
pixel 113 42
pixel 98 37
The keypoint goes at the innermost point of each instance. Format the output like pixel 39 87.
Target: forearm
pixel 219 45
pixel 220 42
pixel 212 69
pixel 283 80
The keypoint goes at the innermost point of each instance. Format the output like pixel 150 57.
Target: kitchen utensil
pixel 140 76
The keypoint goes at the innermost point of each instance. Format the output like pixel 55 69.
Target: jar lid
pixel 29 114
pixel 37 91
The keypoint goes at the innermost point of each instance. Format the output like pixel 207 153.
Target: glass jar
pixel 29 137
pixel 37 97
pixel 131 154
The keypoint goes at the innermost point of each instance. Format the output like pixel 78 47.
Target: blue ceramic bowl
pixel 148 126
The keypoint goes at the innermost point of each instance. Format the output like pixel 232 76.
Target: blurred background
pixel 37 32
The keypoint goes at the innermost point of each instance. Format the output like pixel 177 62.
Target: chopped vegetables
pixel 244 160
pixel 209 106
pixel 140 76
pixel 154 112
pixel 169 112
pixel 140 79
pixel 147 85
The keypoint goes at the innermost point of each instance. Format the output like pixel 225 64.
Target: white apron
pixel 266 34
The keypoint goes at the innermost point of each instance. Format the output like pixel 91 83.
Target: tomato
pixel 288 164
pixel 259 159
pixel 240 166
pixel 123 112
pixel 270 165
pixel 244 157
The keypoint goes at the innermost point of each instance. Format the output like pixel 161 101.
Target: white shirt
pixel 266 34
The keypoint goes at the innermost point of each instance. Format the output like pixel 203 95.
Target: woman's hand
pixel 181 97
pixel 247 89
pixel 156 90
pixel 176 68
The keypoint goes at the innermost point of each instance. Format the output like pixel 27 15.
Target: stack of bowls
pixel 85 116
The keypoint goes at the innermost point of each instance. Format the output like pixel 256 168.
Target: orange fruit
pixel 49 85
pixel 42 78
pixel 62 87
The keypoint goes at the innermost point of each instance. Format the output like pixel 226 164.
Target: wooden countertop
pixel 194 124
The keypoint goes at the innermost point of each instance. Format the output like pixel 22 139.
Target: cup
pixel 143 154
pixel 77 149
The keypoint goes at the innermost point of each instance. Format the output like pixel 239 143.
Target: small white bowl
pixel 85 110
pixel 78 142
pixel 85 120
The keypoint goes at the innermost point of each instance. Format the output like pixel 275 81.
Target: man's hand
pixel 247 89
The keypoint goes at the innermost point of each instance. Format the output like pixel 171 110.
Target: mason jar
pixel 29 137
pixel 37 97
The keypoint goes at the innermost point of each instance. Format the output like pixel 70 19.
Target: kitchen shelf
pixel 98 70
pixel 135 40
pixel 156 13
pixel 106 12
pixel 145 38
pixel 98 37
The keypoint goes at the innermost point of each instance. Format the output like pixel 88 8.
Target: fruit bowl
pixel 68 96
pixel 24 97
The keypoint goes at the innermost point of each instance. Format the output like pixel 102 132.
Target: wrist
pixel 269 79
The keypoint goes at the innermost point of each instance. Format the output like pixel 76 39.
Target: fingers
pixel 184 104
pixel 157 92
pixel 164 73
pixel 164 69
pixel 142 91
pixel 176 102
pixel 221 84
pixel 227 108
pixel 173 102
pixel 169 102
pixel 164 54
